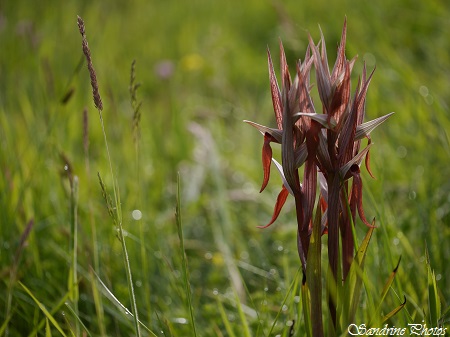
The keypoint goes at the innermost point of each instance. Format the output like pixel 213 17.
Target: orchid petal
pixel 301 153
pixel 341 93
pixel 323 155
pixel 366 128
pixel 280 170
pixel 367 161
pixel 275 91
pixel 356 196
pixel 347 136
pixel 320 118
pixel 356 160
pixel 309 190
pixel 281 199
pixel 275 133
pixel 266 160
pixel 340 59
pixel 287 81
pixel 323 187
pixel 322 75
pixel 287 143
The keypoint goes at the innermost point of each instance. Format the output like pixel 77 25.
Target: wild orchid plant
pixel 328 145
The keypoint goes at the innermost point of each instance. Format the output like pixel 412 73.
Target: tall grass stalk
pixel 184 262
pixel 73 278
pixel 225 318
pixel 96 260
pixel 136 106
pixel 129 276
pixel 117 209
pixel 245 326
pixel 109 295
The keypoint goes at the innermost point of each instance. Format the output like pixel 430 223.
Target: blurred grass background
pixel 203 69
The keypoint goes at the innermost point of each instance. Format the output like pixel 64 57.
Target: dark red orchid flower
pixel 326 144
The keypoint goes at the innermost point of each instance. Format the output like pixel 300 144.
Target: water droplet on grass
pixel 402 151
pixel 370 59
pixel 136 214
pixel 423 90
pixel 244 255
pixel 231 317
pixel 429 99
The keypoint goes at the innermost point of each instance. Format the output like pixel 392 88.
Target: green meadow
pixel 150 209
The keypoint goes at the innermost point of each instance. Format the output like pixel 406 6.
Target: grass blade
pixel 73 275
pixel 78 319
pixel 355 276
pixel 129 279
pixel 116 215
pixel 13 273
pixel 314 275
pixel 306 300
pixel 48 332
pixel 98 304
pixel 38 326
pixel 245 328
pixel 225 319
pixel 43 309
pixel 385 290
pixel 109 294
pixel 434 304
pixel 293 283
pixel 183 257
pixel 393 312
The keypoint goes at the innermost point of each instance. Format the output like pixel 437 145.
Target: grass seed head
pixel 87 53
